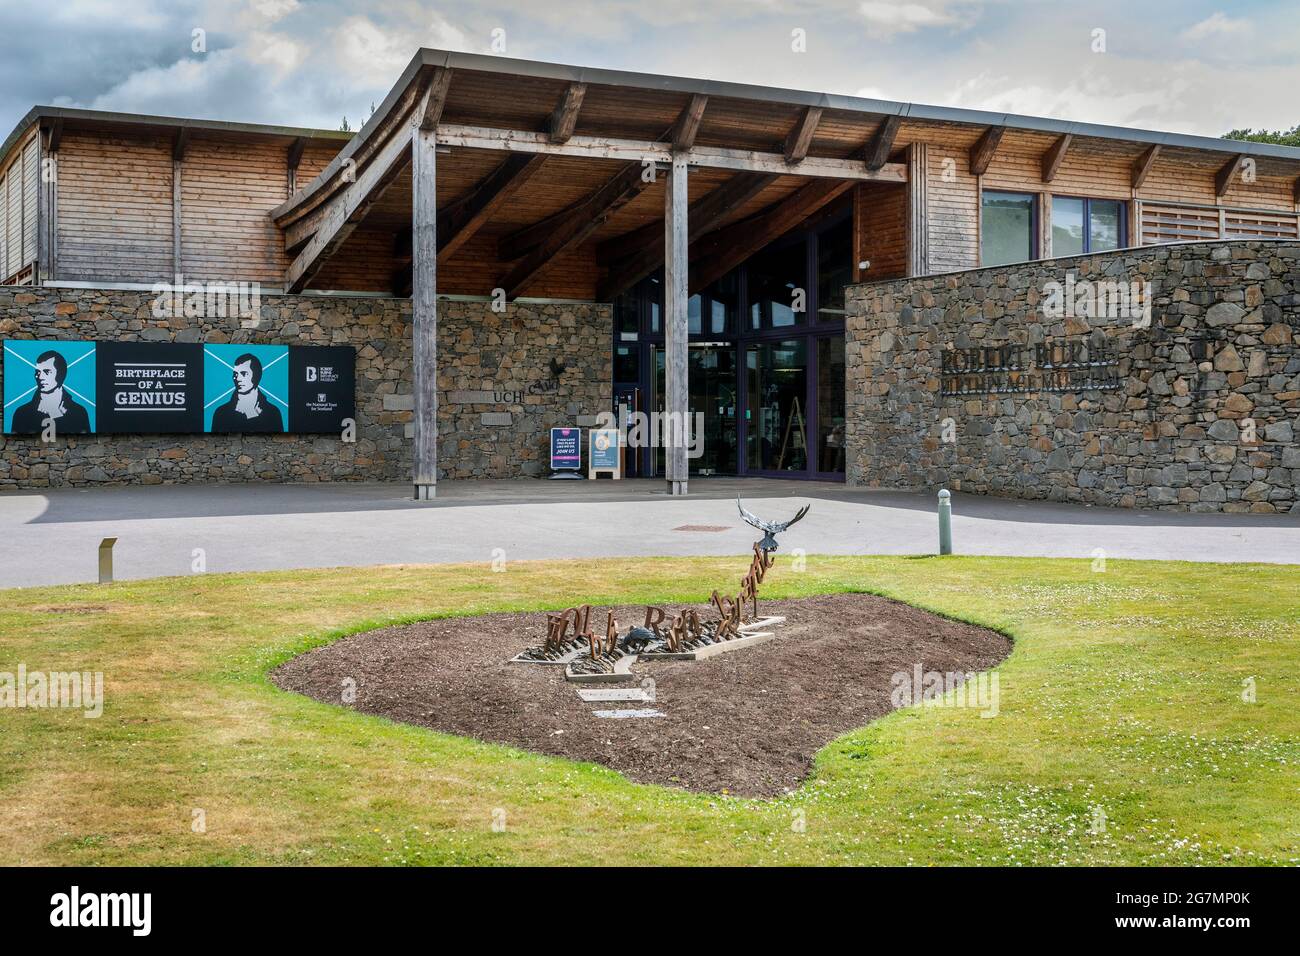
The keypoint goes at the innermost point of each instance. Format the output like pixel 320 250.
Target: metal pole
pixel 945 521
pixel 106 560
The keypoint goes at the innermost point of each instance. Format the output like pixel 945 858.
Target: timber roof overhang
pixel 499 74
pixel 541 159
pixel 758 156
pixel 107 121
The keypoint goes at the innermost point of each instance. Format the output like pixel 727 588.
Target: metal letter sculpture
pixel 683 635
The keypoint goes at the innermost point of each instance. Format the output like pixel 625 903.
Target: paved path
pixel 51 538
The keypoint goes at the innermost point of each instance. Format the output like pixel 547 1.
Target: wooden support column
pixel 918 210
pixel 424 309
pixel 676 362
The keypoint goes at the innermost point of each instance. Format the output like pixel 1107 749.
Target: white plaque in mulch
pixel 628 714
pixel 600 696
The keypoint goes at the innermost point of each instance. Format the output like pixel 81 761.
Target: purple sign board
pixel 566 449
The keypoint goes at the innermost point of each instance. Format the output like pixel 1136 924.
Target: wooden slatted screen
pixel 1261 224
pixel 1166 222
pixel 1169 223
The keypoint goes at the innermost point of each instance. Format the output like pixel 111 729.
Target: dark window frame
pixel 1087 221
pixel 1035 223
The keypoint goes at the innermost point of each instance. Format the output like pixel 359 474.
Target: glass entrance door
pixel 829 446
pixel 776 406
pixel 713 386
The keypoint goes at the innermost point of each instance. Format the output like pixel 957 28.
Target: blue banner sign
pixel 566 449
pixel 159 388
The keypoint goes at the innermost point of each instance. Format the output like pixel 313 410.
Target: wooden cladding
pixel 18 200
pixel 1166 222
pixel 880 230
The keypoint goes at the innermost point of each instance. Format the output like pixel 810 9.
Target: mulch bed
pixel 748 722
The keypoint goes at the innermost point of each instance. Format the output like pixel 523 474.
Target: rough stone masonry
pixel 499 391
pixel 971 382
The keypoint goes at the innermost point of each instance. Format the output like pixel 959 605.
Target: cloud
pixel 274 9
pixel 888 17
pixel 288 62
pixel 1217 25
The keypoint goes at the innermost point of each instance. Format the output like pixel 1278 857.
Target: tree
pixel 1279 137
pixel 345 126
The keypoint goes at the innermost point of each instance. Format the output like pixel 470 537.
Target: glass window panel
pixel 830 404
pixel 834 269
pixel 1104 218
pixel 626 363
pixel 724 302
pixel 776 420
pixel 1067 227
pixel 775 275
pixel 1007 229
pixel 626 317
pixel 693 306
pixel 652 289
pixel 719 319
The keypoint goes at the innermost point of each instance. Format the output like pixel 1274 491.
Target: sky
pixel 1189 66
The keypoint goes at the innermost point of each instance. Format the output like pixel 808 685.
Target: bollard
pixel 106 560
pixel 945 521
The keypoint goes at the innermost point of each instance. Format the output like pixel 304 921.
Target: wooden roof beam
pixel 460 222
pixel 53 135
pixel 877 149
pixel 687 126
pixel 1053 158
pixel 729 247
pixel 344 168
pixel 799 140
pixel 462 219
pixel 435 98
pixel 717 203
pixel 1223 178
pixel 565 117
pixel 579 222
pixel 339 217
pixel 646 245
pixel 1142 165
pixel 713 157
pixel 981 154
pixel 296 149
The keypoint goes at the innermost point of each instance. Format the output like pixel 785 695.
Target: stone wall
pixel 975 381
pixel 498 392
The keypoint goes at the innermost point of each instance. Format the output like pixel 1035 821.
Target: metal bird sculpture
pixel 770 529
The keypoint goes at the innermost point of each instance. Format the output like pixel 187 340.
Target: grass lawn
pixel 1124 692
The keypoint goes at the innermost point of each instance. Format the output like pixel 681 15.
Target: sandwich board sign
pixel 566 452
pixel 603 455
